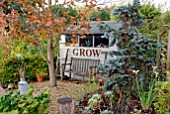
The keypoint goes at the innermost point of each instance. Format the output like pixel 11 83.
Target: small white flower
pixel 156 73
pixel 106 112
pixel 18 55
pixel 108 93
pixel 87 108
pixel 135 71
pixel 154 68
pixel 96 96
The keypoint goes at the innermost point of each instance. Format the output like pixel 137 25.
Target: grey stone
pixel 2 91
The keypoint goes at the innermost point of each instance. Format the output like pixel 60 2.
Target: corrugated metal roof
pixel 94 27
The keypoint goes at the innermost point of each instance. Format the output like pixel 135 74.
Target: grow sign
pixel 86 52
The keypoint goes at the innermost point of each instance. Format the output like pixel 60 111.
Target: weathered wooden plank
pixel 66 105
pixel 168 49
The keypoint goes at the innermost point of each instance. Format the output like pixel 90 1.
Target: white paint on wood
pixel 168 51
pixel 63 39
pixel 103 55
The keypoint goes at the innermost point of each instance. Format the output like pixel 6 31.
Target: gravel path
pixel 73 89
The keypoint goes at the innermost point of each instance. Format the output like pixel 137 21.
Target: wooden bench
pixel 81 66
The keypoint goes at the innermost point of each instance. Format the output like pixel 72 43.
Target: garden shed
pixel 92 46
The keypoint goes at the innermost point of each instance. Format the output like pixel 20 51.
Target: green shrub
pixel 162 100
pixel 134 51
pixel 9 72
pixel 27 103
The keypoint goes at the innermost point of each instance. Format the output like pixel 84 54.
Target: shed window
pixel 71 41
pixel 86 42
pixel 89 41
pixel 100 42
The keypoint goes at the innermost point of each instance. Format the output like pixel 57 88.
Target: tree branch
pixel 56 42
pixel 61 7
pixel 41 53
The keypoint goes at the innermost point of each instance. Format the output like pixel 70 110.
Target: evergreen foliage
pixel 134 51
pixel 150 11
pixel 153 23
pixel 104 15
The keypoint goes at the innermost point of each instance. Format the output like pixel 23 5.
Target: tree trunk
pixel 51 63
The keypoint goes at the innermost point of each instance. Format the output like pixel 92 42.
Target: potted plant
pixel 40 74
pixel 23 84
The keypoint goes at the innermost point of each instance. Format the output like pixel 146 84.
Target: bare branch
pixel 41 53
pixel 61 7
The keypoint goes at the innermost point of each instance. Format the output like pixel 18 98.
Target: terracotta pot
pixel 40 78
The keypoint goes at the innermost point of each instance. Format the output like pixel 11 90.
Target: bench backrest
pixel 83 64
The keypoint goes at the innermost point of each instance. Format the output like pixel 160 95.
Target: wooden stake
pixel 66 105
pixel 168 51
pixel 168 57
pixel 158 53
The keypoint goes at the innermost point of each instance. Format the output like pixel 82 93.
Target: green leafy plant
pixel 94 100
pixel 146 96
pixel 27 103
pixel 39 72
pixel 162 98
pixel 89 87
pixel 9 68
pixel 11 112
pixel 102 103
pixel 106 112
pixel 41 67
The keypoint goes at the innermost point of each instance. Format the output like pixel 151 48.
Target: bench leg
pixel 62 73
pixel 70 75
pixel 83 77
pixel 90 75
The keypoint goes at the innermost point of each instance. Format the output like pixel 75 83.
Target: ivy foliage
pixel 134 51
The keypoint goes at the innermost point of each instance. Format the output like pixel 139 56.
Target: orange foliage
pixel 83 36
pixel 98 19
pixel 40 20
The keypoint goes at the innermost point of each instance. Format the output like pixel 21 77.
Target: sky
pixel 163 3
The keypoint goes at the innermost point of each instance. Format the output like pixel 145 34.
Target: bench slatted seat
pixel 81 66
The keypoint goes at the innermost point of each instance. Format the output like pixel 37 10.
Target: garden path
pixel 73 89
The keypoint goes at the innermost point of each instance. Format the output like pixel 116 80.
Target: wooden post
pixel 158 53
pixel 66 105
pixel 168 51
pixel 168 55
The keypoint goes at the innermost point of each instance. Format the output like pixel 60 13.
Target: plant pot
pixel 40 78
pixel 23 86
